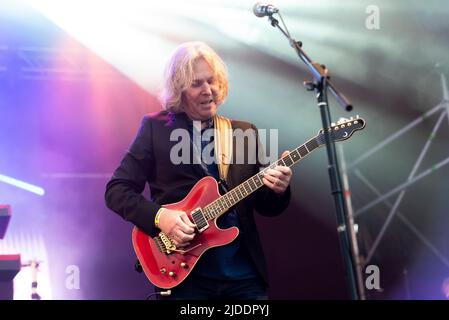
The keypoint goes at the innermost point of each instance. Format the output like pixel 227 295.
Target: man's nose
pixel 207 89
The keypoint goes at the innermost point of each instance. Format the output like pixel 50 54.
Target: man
pixel 195 86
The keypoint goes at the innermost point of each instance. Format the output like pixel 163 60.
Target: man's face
pixel 199 98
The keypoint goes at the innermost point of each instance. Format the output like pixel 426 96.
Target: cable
pixel 161 293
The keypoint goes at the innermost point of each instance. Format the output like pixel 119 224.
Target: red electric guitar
pixel 165 265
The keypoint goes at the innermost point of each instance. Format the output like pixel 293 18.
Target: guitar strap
pixel 223 144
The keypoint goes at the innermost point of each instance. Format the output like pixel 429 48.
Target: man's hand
pixel 278 178
pixel 177 225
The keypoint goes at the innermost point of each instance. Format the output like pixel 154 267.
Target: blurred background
pixel 76 78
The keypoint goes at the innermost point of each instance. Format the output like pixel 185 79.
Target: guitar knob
pixel 163 270
pixel 184 265
pixel 172 274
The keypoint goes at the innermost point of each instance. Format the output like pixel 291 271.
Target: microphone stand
pixel 321 85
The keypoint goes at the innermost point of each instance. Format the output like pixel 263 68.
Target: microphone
pixel 262 10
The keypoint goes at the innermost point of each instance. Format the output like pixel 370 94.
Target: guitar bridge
pixel 164 243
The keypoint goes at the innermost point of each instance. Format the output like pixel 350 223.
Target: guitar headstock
pixel 342 130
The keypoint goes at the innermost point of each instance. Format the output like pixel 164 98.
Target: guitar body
pixel 169 270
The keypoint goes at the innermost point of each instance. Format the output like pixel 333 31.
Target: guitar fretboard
pixel 240 192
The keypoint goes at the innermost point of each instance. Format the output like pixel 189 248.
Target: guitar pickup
pixel 199 219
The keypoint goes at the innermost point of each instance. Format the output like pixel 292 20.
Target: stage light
pixel 445 288
pixel 22 185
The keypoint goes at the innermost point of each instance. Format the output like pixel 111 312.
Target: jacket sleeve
pixel 266 201
pixel 123 191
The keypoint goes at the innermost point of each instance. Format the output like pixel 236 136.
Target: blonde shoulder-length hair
pixel 179 74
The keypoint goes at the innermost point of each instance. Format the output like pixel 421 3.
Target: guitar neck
pixel 243 190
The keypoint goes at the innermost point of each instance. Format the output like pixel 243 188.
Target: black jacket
pixel 148 161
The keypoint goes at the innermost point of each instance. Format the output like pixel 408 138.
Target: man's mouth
pixel 207 102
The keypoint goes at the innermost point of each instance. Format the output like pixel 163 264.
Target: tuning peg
pixel 342 120
pixel 333 124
